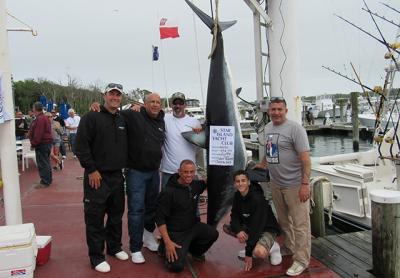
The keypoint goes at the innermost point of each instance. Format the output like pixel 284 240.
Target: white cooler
pixel 18 251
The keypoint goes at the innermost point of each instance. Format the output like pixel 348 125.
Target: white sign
pixel 222 145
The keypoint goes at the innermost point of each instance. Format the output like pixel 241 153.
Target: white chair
pixel 27 153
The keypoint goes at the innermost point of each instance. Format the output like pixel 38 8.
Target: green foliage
pixel 28 91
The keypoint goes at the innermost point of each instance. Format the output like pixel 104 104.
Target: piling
pixel 317 216
pixel 334 113
pixel 385 218
pixel 341 106
pixel 354 120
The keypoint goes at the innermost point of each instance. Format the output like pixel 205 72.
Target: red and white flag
pixel 168 29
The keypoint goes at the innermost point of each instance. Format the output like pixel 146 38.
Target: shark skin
pixel 221 110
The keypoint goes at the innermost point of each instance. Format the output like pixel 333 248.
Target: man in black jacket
pixel 177 220
pixel 145 138
pixel 253 222
pixel 101 147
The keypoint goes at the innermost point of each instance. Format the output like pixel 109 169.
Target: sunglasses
pixel 114 85
pixel 277 100
pixel 178 102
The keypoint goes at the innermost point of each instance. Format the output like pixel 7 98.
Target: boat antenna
pixel 382 17
pixel 369 34
pixel 351 79
pixel 363 89
pixel 390 7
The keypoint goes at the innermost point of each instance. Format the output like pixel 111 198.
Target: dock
pixel 349 255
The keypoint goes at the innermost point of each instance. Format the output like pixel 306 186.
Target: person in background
pixel 42 141
pixel 21 126
pixel 56 132
pixel 289 168
pixel 57 118
pixel 253 222
pixel 71 124
pixel 177 221
pixel 101 147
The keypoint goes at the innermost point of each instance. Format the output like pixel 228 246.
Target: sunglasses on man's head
pixel 115 85
pixel 277 100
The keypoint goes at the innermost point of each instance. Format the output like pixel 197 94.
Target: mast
pixel 8 152
pixel 283 51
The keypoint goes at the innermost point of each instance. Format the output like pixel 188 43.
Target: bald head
pixel 152 104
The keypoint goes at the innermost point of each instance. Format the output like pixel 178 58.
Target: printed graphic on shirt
pixel 272 148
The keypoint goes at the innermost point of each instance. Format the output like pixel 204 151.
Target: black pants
pixel 42 153
pixel 108 199
pixel 196 241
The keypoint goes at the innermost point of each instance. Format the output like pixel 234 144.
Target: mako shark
pixel 222 111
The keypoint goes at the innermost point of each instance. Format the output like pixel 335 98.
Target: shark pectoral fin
pixel 198 139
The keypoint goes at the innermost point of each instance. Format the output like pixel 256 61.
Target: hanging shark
pixel 222 112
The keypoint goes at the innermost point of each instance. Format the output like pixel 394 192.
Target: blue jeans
pixel 142 190
pixel 43 163
pixel 164 179
pixel 72 137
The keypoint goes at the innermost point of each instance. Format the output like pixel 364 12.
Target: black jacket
pixel 60 120
pixel 145 139
pixel 177 204
pixel 101 141
pixel 253 215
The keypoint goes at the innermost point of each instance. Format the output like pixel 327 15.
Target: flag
pixel 168 30
pixel 155 53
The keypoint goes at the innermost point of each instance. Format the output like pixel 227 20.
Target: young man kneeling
pixel 253 222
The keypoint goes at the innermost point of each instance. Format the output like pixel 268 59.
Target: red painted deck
pixel 58 211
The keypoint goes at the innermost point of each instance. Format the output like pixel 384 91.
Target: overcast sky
pixel 101 41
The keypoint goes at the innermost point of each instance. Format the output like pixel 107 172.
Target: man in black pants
pixel 101 147
pixel 177 222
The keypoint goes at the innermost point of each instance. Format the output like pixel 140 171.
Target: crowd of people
pixel 140 152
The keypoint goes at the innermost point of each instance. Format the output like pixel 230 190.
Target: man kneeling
pixel 176 218
pixel 253 222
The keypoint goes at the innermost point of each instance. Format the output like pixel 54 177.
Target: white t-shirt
pixel 176 148
pixel 72 122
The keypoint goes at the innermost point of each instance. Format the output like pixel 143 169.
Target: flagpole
pixel 8 152
pixel 152 71
pixel 165 74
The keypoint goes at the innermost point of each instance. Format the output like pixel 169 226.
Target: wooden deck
pixel 349 255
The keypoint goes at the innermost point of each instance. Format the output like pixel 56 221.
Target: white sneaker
pixel 275 254
pixel 137 257
pixel 242 254
pixel 64 157
pixel 122 255
pixel 103 267
pixel 296 269
pixel 149 241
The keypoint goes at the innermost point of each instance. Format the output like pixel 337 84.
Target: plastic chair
pixel 26 154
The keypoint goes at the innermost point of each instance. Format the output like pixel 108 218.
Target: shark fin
pixel 198 139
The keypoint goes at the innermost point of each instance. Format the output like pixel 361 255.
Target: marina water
pixel 323 145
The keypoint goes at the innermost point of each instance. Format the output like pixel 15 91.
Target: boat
pixel 194 109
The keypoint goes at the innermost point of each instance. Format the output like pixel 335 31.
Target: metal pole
pixel 8 152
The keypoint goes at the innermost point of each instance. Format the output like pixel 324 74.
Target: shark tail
pixel 208 20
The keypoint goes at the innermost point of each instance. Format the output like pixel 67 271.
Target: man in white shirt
pixel 71 124
pixel 176 148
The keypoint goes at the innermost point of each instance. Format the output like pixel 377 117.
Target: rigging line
pixel 383 18
pixel 379 40
pixel 390 7
pixel 198 58
pixel 380 33
pixel 283 50
pixel 212 9
pixel 20 21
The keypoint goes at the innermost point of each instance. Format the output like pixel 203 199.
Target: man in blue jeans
pixel 145 138
pixel 42 141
